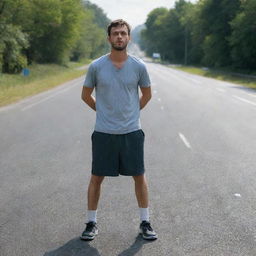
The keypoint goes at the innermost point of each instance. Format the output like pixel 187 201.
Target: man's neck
pixel 118 56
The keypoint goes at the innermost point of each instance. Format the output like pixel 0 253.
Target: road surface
pixel 200 159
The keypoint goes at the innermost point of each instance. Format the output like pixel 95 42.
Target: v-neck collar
pixel 115 67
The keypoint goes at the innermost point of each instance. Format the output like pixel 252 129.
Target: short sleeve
pixel 144 77
pixel 90 79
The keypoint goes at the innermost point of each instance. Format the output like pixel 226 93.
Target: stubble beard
pixel 119 48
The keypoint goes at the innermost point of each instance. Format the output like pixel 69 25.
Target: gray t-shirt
pixel 117 95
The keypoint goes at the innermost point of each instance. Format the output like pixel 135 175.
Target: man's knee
pixel 140 179
pixel 96 180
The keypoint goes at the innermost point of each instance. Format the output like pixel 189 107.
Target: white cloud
pixel 133 11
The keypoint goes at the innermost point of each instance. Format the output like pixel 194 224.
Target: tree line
pixel 49 31
pixel 214 33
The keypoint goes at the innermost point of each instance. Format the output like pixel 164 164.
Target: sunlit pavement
pixel 200 159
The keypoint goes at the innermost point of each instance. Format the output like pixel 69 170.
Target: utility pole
pixel 186 47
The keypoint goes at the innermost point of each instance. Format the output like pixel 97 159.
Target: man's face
pixel 119 38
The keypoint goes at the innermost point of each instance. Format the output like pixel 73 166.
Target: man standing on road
pixel 117 141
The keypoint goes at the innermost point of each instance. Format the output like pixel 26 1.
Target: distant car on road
pixel 156 56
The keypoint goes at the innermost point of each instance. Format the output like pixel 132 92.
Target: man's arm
pixel 146 96
pixel 88 98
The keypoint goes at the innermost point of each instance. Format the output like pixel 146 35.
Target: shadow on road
pixel 250 90
pixel 75 247
pixel 135 247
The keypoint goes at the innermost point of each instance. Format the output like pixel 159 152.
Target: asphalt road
pixel 200 158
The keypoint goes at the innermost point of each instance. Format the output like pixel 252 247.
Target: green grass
pixel 220 75
pixel 42 77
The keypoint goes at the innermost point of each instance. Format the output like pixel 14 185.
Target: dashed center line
pixel 159 99
pixel 252 95
pixel 183 138
pixel 244 100
pixel 162 108
pixel 220 90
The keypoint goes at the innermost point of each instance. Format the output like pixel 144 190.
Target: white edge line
pixel 220 90
pixel 183 138
pixel 49 97
pixel 194 80
pixel 244 100
pixel 14 105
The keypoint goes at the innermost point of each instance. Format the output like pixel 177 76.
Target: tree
pixel 100 18
pixel 12 40
pixel 215 17
pixel 243 37
pixel 49 31
pixel 92 37
pixel 136 32
pixel 11 44
pixel 168 32
pixel 176 32
pixel 92 41
pixel 53 30
pixel 152 35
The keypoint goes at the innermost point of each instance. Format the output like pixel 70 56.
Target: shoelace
pixel 147 226
pixel 90 226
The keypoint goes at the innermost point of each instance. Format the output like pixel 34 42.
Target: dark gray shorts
pixel 118 154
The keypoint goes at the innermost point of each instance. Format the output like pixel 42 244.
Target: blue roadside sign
pixel 25 72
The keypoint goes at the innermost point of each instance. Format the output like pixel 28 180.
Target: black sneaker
pixel 90 231
pixel 147 231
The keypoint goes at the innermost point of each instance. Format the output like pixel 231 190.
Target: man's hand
pixel 88 98
pixel 146 96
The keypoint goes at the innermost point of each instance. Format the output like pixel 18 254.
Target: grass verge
pixel 42 77
pixel 220 75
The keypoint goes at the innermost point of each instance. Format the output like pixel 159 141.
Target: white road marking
pixel 159 99
pixel 252 95
pixel 194 80
pixel 40 101
pixel 237 195
pixel 155 91
pixel 49 97
pixel 183 138
pixel 220 90
pixel 6 108
pixel 14 105
pixel 244 100
pixel 162 108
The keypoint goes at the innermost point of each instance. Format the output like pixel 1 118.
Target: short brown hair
pixel 119 22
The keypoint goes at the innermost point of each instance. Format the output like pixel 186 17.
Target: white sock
pixel 144 214
pixel 91 215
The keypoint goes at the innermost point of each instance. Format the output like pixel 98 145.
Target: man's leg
pixel 141 191
pixel 91 229
pixel 94 192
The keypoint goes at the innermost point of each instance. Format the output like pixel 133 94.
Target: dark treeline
pixel 214 33
pixel 49 31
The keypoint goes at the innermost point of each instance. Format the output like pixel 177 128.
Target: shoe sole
pixel 88 238
pixel 148 237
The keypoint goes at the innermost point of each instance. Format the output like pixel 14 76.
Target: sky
pixel 133 11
